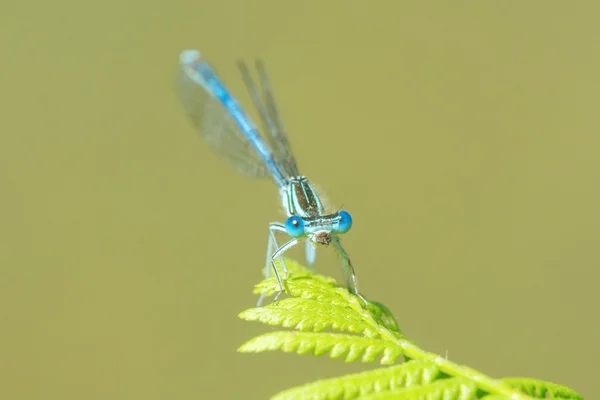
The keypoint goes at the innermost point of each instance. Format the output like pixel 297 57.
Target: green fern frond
pixel 542 390
pixel 443 389
pixel 369 333
pixel 308 315
pixel 383 316
pixel 303 286
pixel 494 397
pixel 350 348
pixel 409 374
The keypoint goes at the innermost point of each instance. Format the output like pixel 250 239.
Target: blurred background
pixel 462 137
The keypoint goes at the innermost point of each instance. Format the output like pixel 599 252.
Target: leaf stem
pixel 414 352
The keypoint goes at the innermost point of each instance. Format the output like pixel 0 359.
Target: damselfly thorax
pixel 299 198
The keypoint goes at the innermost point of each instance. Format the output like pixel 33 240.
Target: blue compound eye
pixel 345 222
pixel 294 226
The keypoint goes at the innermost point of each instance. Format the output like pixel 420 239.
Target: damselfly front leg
pixel 272 247
pixel 277 255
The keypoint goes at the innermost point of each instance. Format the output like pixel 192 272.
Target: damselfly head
pixel 319 229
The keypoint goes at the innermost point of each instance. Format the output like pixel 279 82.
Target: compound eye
pixel 345 222
pixel 294 226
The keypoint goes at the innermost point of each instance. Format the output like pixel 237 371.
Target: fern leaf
pixel 351 348
pixel 410 374
pixel 318 303
pixel 542 390
pixel 300 286
pixel 309 315
pixel 304 283
pixel 384 317
pixel 443 389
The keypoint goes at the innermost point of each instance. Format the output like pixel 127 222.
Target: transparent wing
pixel 278 137
pixel 197 83
pixel 267 108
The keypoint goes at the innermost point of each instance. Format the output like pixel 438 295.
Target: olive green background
pixel 463 136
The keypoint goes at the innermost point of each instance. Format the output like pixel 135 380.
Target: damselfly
pixel 217 115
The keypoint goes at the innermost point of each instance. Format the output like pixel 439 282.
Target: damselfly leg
pixel 311 254
pixel 272 247
pixel 278 256
pixel 348 268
